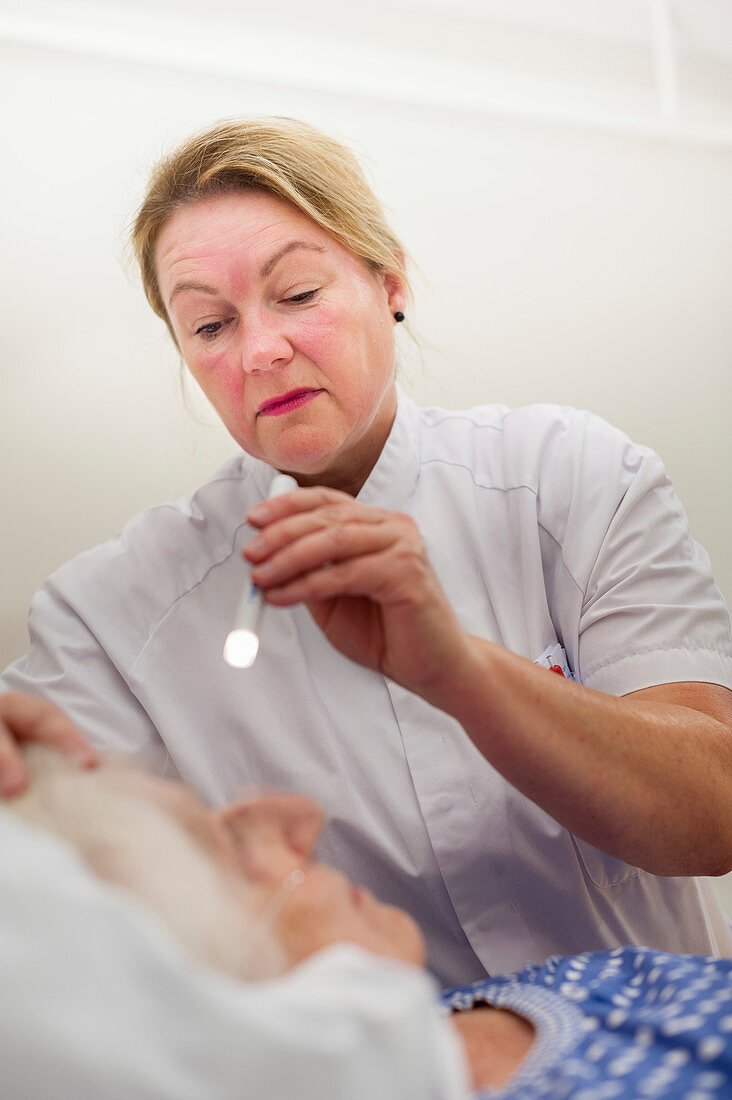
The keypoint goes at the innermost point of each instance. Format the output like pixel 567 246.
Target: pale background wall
pixel 566 191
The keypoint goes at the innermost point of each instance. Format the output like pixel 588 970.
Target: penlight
pixel 242 643
pixel 240 648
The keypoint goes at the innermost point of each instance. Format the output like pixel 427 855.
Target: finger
pixel 289 529
pixel 376 576
pixel 323 547
pixel 28 718
pixel 299 500
pixel 13 772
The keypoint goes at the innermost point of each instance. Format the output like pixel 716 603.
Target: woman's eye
pixel 210 331
pixel 304 296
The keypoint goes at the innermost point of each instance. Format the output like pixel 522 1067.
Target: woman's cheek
pixel 217 372
pixel 319 335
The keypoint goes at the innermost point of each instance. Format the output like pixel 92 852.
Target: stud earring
pixel 398 316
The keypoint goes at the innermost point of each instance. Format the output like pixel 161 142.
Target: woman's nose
pixel 264 344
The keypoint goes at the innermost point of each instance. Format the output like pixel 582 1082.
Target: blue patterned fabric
pixel 628 1023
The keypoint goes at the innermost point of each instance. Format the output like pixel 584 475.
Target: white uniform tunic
pixel 545 526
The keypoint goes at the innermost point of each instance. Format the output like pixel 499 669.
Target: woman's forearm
pixel 647 781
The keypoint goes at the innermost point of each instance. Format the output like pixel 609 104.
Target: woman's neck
pixel 496 1042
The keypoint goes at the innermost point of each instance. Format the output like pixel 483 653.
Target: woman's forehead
pixel 234 237
pixel 243 219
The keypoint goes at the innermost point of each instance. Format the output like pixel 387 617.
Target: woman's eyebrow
pixel 269 266
pixel 264 271
pixel 180 287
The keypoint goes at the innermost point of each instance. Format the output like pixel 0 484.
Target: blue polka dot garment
pixel 629 1023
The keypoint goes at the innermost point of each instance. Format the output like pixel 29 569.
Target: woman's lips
pixel 286 402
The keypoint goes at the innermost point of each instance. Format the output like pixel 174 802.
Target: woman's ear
pixel 396 291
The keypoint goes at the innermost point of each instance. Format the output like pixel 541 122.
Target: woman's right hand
pixel 26 718
pixel 364 574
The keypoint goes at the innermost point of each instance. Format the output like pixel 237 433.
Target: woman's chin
pixel 307 453
pixel 306 465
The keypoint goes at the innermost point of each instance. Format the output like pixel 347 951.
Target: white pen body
pixel 242 642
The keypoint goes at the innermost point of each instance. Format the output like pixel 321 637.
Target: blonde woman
pixel 493 651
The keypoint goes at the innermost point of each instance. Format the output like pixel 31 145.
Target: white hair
pixel 129 840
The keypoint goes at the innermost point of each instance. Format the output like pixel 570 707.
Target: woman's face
pixel 288 333
pixel 260 842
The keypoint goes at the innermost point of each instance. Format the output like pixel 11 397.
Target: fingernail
pixel 258 512
pixel 261 572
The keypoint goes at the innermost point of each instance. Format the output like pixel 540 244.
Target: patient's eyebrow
pixel 269 266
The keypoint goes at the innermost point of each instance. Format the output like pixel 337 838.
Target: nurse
pixel 492 650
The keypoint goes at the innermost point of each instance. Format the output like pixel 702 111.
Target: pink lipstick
pixel 286 402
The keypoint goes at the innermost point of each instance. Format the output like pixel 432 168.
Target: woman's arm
pixel 647 778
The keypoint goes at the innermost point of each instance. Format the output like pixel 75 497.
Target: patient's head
pixel 239 886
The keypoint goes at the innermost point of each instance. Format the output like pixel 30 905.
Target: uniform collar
pixel 392 480
pixel 260 473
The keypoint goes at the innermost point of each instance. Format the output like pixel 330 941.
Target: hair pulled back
pixel 285 157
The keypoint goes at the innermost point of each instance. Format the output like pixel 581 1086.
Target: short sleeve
pixel 67 664
pixel 650 611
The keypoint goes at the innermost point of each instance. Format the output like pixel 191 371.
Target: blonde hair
pixel 127 839
pixel 287 158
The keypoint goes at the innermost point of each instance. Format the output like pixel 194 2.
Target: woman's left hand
pixel 364 575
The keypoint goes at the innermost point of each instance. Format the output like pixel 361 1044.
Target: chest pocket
pixel 602 870
pixel 555 659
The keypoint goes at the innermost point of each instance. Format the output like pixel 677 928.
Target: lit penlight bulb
pixel 242 643
pixel 241 647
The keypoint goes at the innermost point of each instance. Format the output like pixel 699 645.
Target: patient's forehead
pixel 169 794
